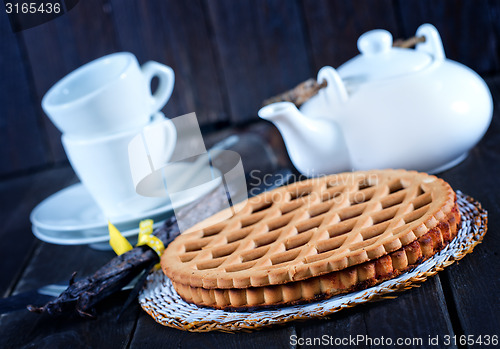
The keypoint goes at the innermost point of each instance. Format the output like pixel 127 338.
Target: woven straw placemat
pixel 159 299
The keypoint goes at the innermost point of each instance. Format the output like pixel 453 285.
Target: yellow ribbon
pixel 117 241
pixel 121 245
pixel 146 237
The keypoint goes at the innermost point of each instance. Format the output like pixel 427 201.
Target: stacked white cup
pixel 99 108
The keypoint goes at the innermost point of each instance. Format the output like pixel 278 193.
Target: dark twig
pixel 299 94
pixel 137 288
pixel 82 295
pixel 408 43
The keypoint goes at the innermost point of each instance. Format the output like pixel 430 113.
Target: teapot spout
pixel 315 146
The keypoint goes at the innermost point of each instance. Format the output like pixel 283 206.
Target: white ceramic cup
pixel 110 94
pixel 102 164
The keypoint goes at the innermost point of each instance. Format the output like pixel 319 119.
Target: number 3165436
pixel 32 7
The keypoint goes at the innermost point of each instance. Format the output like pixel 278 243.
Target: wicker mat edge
pixel 161 302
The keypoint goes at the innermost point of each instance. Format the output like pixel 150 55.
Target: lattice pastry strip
pixel 311 228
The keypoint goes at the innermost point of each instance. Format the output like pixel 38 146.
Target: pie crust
pixel 314 239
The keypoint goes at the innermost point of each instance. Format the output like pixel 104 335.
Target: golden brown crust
pixel 309 229
pixel 325 286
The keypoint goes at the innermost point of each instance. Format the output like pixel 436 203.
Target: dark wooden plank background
pixel 227 55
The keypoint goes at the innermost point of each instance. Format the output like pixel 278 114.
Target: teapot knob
pixel 375 42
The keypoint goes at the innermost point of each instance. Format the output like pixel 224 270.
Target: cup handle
pixel 166 86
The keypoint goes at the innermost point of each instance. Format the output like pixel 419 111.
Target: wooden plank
pixel 494 19
pixel 474 281
pixel 466 29
pixel 415 315
pixel 334 27
pixel 262 49
pixel 340 327
pixel 53 264
pixel 58 47
pixel 19 197
pixel 175 33
pixel 21 144
pixel 152 335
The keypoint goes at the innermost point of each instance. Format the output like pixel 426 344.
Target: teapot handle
pixel 433 44
pixel 335 90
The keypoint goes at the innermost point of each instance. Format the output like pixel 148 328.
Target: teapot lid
pixel 379 60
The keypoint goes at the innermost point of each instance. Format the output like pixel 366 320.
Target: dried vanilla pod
pixel 81 296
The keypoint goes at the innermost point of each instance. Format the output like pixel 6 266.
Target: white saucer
pixel 79 237
pixel 72 217
pixel 73 209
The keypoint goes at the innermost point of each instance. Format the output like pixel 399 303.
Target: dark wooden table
pixel 462 300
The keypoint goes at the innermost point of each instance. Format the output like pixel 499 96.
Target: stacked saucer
pixel 72 217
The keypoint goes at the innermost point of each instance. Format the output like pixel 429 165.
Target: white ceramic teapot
pixel 387 108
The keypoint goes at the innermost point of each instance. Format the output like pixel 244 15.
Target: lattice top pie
pixel 310 228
